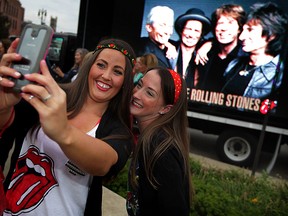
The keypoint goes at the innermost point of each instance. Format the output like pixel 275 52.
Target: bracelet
pixel 6 125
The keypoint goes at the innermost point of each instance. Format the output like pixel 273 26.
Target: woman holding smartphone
pixel 71 136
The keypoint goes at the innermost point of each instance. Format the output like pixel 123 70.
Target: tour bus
pixel 62 49
pixel 245 126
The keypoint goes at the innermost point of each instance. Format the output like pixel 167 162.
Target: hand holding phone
pixel 33 47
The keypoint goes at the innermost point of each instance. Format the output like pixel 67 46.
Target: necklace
pixel 245 72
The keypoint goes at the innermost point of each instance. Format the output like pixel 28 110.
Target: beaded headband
pixel 122 50
pixel 177 84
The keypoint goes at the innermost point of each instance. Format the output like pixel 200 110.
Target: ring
pixel 46 98
pixel 30 97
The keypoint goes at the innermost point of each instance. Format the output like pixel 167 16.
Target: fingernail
pixel 17 73
pixel 27 75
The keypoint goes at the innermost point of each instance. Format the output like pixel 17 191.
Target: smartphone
pixel 34 44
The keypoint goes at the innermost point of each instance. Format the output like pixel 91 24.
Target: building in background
pixel 53 23
pixel 13 12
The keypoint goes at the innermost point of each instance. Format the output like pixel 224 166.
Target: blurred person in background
pixel 143 63
pixel 4 45
pixel 72 73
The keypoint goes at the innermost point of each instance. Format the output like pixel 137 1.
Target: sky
pixel 66 11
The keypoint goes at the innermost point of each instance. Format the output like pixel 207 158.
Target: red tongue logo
pixel 265 107
pixel 31 182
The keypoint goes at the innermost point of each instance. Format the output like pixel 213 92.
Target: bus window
pixel 55 49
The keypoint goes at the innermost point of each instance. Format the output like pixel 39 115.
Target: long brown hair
pixel 173 124
pixel 78 90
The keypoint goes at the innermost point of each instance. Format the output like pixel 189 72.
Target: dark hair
pixel 274 23
pixel 233 10
pixel 6 44
pixel 78 90
pixel 173 124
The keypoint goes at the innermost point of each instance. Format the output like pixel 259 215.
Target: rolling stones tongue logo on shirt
pixel 32 180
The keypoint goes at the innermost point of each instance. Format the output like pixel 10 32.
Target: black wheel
pixel 237 147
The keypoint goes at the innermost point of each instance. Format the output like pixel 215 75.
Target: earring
pixel 161 113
